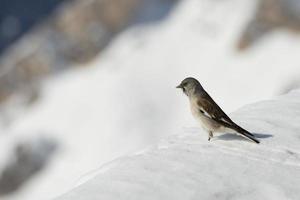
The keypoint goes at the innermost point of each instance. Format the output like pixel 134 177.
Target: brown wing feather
pixel 210 106
pixel 216 113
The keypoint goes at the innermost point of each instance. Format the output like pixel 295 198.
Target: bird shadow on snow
pixel 230 136
pixel 262 135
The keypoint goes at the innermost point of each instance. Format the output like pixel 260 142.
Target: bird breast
pixel 206 122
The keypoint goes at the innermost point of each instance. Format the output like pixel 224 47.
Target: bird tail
pixel 240 129
pixel 245 133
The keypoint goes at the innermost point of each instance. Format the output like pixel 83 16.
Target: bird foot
pixel 210 135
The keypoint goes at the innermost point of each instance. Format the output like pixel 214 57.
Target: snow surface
pixel 126 99
pixel 187 166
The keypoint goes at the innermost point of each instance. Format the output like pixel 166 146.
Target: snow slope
pixel 126 99
pixel 187 166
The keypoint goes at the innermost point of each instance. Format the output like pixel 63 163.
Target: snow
pixel 187 166
pixel 126 100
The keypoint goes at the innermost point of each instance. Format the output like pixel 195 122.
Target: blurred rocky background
pixel 43 38
pixel 271 15
pixel 39 39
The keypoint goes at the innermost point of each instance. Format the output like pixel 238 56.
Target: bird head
pixel 189 86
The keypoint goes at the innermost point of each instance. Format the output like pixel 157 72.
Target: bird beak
pixel 179 86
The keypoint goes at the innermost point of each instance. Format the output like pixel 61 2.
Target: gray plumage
pixel 210 115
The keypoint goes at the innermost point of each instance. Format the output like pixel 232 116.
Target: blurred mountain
pixel 74 33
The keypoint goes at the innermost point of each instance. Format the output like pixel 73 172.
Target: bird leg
pixel 210 135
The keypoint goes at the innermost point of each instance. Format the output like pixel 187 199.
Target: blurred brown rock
pixel 270 15
pixel 85 27
pixel 28 159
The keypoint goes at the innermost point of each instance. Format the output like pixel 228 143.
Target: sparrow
pixel 208 113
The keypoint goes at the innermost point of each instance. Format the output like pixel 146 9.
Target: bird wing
pixel 209 107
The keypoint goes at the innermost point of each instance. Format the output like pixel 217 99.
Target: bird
pixel 208 113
